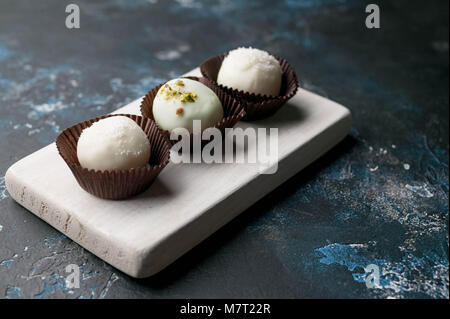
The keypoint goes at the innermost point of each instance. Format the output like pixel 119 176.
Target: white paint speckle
pixel 55 127
pixel 168 55
pixel 189 3
pixel 50 107
pixel 1 227
pixel 173 54
pixel 394 146
pixel 33 115
pixel 116 84
pixel 37 130
pixel 422 190
pixel 374 169
pixel 383 151
pixel 406 166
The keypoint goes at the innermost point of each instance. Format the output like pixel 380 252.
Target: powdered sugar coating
pixel 115 142
pixel 251 70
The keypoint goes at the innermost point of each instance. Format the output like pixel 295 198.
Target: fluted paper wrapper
pixel 233 111
pixel 115 184
pixel 257 106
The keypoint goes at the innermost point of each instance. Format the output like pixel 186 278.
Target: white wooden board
pixel 187 203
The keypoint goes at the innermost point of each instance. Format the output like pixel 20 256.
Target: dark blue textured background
pixel 380 197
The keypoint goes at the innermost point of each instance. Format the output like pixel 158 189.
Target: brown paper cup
pixel 115 184
pixel 233 111
pixel 257 106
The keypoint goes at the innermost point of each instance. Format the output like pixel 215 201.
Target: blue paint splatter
pixel 5 52
pixel 57 283
pixel 346 255
pixel 7 263
pixel 426 274
pixel 51 241
pixel 12 292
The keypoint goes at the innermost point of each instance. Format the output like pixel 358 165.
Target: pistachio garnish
pixel 183 96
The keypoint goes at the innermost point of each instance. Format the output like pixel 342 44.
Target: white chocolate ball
pixel 251 70
pixel 115 142
pixel 180 101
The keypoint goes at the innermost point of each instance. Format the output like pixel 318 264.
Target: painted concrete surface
pixel 380 197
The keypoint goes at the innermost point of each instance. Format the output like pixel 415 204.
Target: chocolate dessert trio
pixel 118 156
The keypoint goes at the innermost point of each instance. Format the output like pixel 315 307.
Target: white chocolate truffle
pixel 181 101
pixel 115 142
pixel 251 70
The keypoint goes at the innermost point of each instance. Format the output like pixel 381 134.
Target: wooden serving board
pixel 187 203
